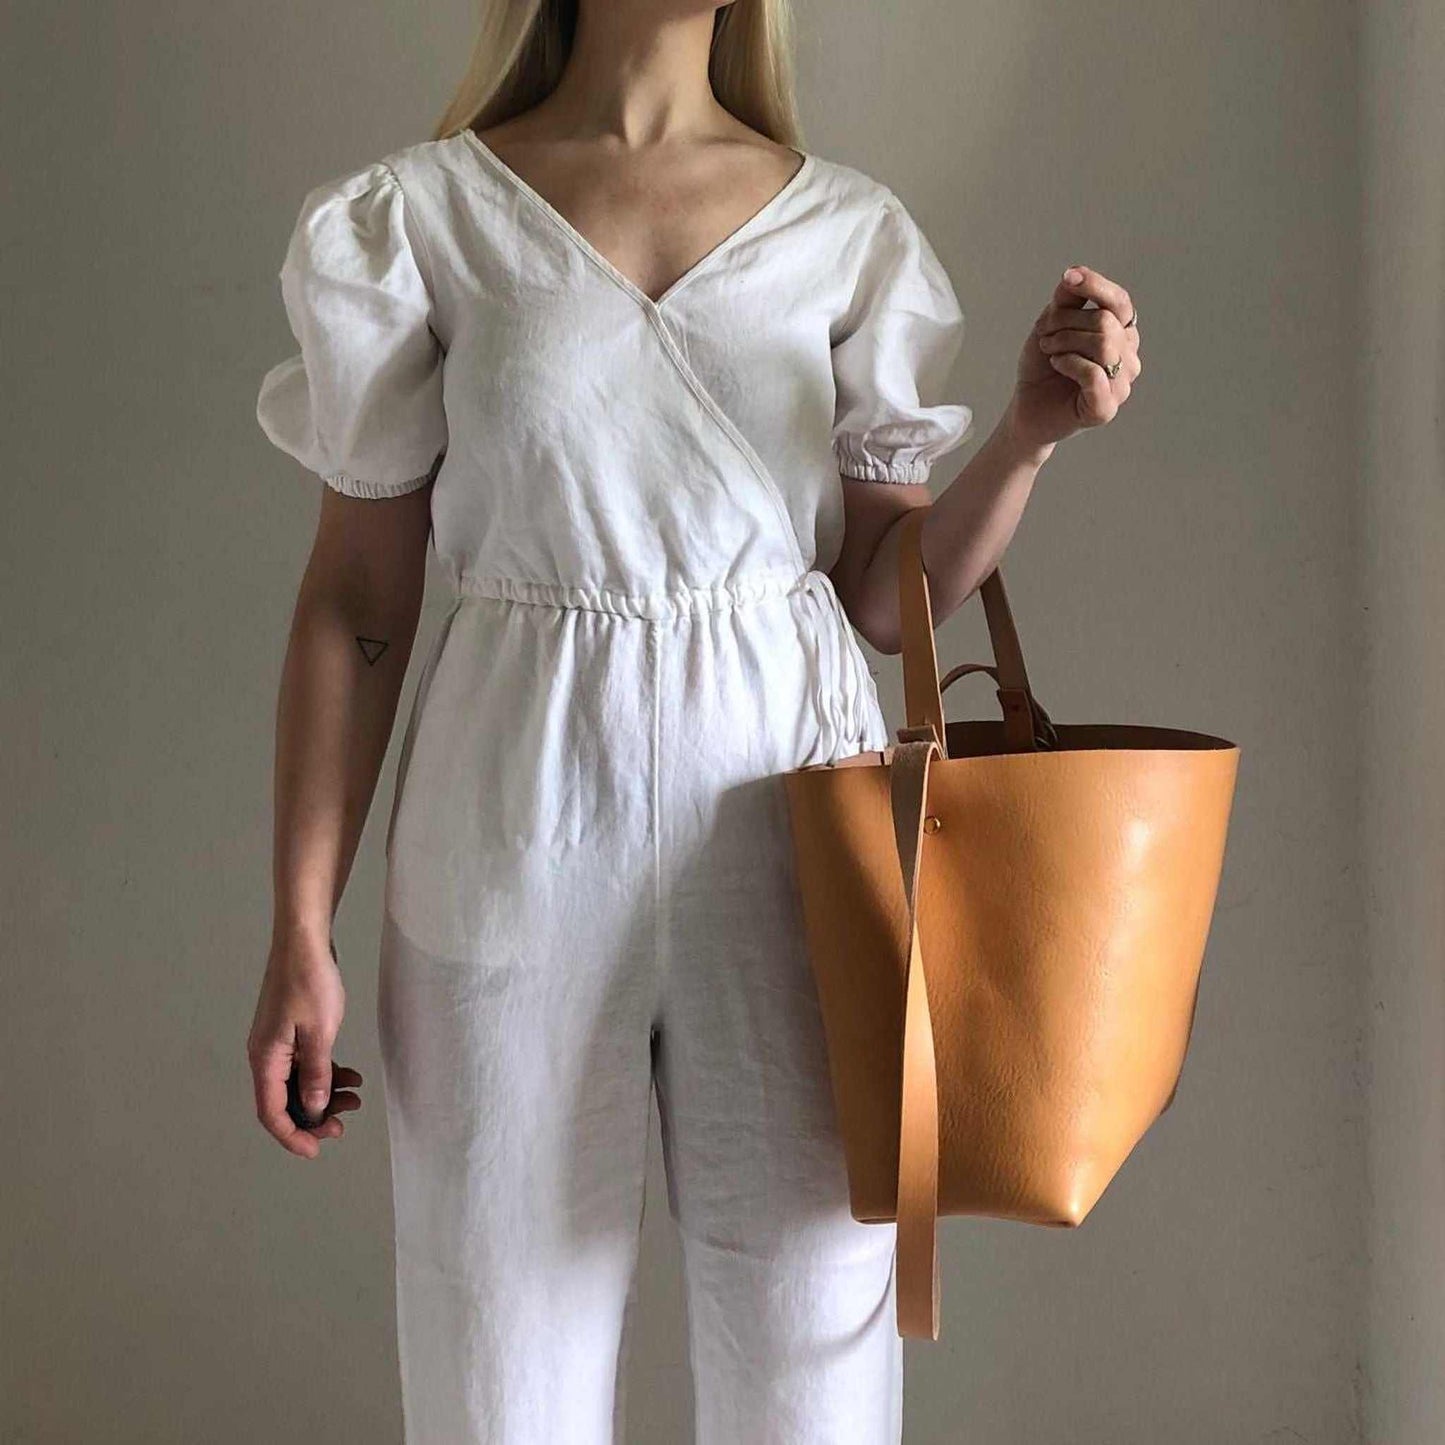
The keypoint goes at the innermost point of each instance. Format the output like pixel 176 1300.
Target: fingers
pixel 313 1069
pixel 1063 318
pixel 1105 346
pixel 1080 340
pixel 1097 319
pixel 341 1103
pixel 1098 398
pixel 270 1068
pixel 1093 286
pixel 343 1099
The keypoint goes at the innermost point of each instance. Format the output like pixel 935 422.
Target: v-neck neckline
pixel 613 272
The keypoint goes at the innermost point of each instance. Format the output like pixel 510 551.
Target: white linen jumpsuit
pixel 589 879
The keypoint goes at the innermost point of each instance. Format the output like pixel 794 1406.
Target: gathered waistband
pixel 657 606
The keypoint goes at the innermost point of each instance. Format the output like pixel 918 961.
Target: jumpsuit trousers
pixel 646 934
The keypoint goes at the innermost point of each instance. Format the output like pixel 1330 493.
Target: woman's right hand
pixel 298 1017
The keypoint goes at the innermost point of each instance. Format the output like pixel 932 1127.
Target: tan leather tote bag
pixel 1006 922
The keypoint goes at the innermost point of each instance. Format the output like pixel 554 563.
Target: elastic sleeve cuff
pixel 868 470
pixel 361 487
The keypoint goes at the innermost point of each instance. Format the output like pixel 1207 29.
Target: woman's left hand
pixel 1063 385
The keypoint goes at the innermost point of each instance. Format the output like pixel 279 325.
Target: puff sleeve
pixel 360 403
pixel 892 357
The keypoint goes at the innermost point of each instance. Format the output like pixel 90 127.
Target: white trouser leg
pixel 518 1110
pixel 790 1300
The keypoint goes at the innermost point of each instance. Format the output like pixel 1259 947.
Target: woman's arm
pixel 1077 368
pixel 965 534
pixel 351 637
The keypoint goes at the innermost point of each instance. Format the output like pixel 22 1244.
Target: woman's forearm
pixel 973 519
pixel 335 712
pixel 968 527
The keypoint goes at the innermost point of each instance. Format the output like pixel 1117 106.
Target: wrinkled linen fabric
pixel 589 887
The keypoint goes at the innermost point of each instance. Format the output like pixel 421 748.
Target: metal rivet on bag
pixel 932 824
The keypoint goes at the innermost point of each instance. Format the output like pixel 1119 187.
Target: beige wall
pixel 1402 697
pixel 169 1274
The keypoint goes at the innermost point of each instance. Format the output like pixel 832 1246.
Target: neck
pixel 635 77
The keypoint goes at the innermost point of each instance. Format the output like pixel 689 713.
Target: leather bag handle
pixel 1026 726
pixel 1045 734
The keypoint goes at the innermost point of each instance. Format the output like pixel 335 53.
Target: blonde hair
pixel 523 45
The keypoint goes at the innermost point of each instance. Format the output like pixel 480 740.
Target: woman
pixel 639 365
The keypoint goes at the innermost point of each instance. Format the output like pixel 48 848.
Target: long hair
pixel 522 46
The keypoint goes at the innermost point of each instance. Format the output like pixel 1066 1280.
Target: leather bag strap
pixel 917 1203
pixel 922 699
pixel 922 696
pixel 1027 728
